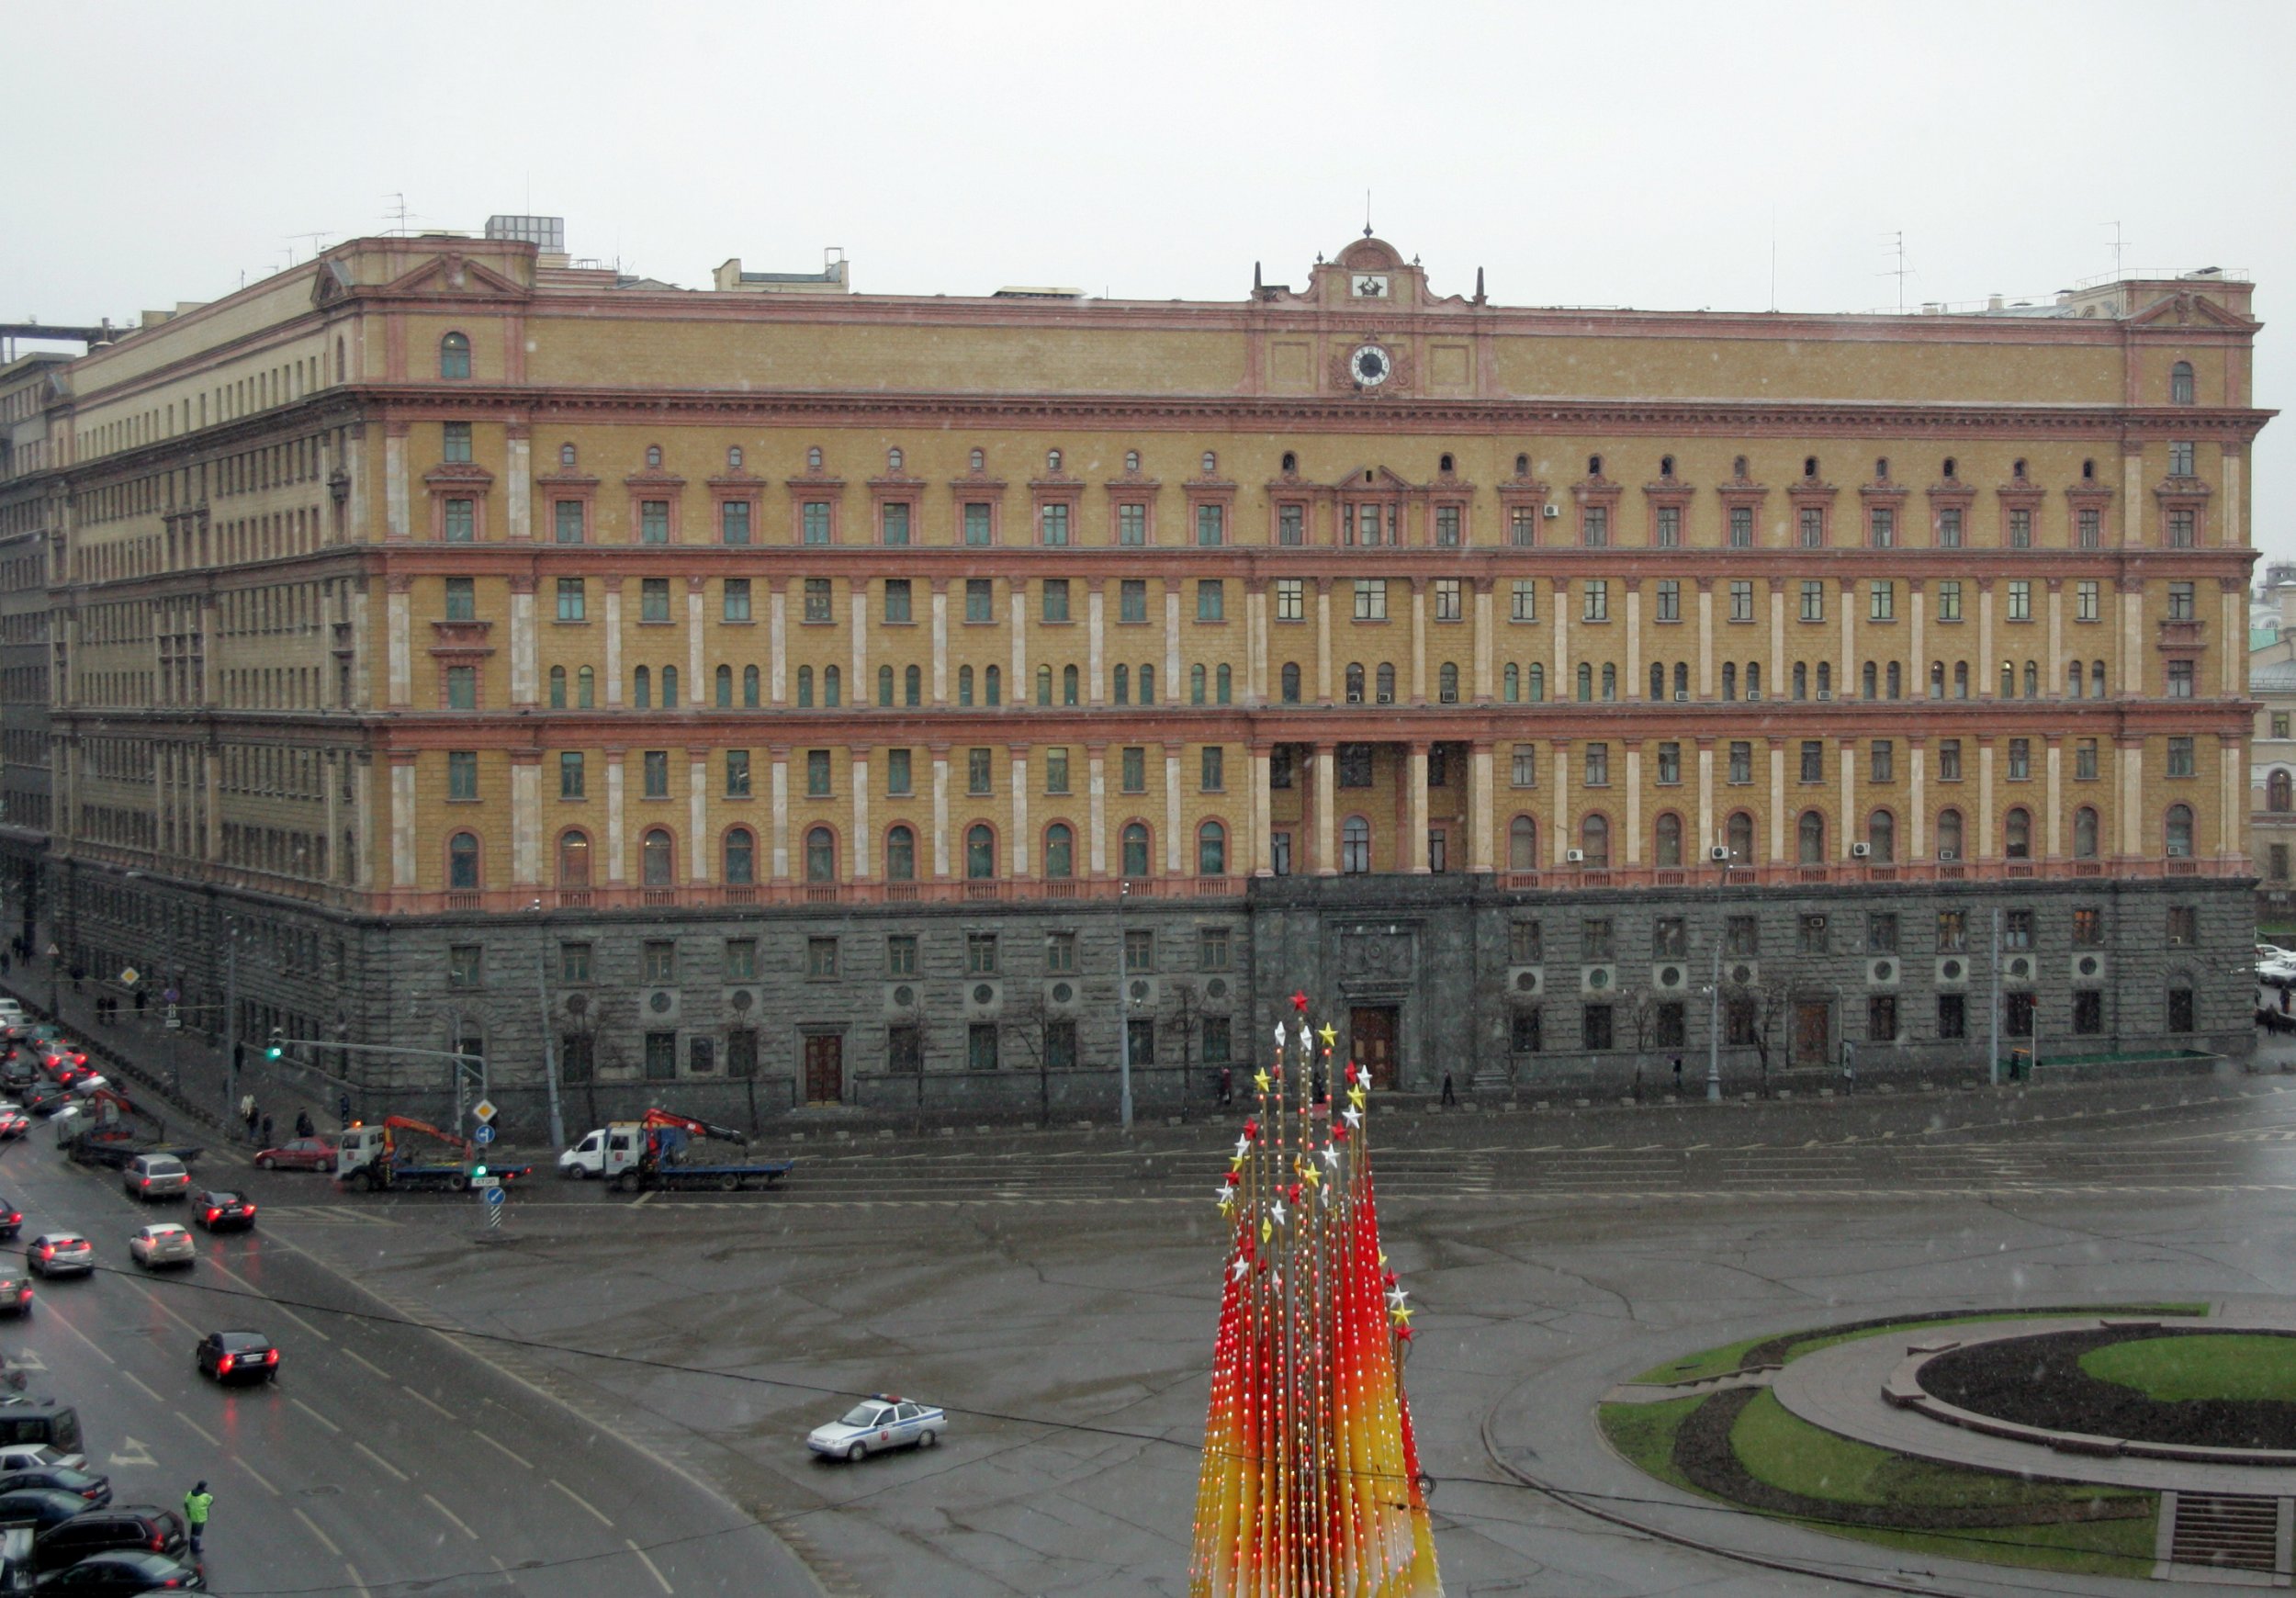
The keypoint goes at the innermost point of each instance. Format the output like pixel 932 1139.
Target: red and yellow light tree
pixel 1310 1483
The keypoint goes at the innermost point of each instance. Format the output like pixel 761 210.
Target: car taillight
pixel 224 1364
pixel 270 1357
pixel 213 1213
pixel 249 1210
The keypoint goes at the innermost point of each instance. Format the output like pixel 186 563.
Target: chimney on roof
pixel 1994 302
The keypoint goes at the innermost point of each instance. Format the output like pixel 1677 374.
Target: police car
pixel 884 1420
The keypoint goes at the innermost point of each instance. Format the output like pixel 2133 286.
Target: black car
pixel 45 1507
pixel 124 1572
pixel 237 1357
pixel 11 1219
pixel 220 1211
pixel 94 1492
pixel 142 1527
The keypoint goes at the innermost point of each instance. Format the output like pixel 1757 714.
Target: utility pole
pixel 1714 1018
pixel 549 1051
pixel 1123 1009
pixel 1993 1062
pixel 231 1021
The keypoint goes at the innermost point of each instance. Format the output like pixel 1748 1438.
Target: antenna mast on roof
pixel 1901 271
pixel 400 210
pixel 2119 243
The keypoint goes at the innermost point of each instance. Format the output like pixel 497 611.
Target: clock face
pixel 1370 286
pixel 1370 365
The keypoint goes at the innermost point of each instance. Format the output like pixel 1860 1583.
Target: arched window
pixel 1068 685
pixel 1810 839
pixel 1386 685
pixel 1825 680
pixel 1290 679
pixel 1197 679
pixel 741 857
pixel 1937 679
pixel 1754 680
pixel 658 856
pixel 2181 383
pixel 750 688
pixel 342 359
pixel 1948 835
pixel 1120 686
pixel 642 688
pixel 1586 683
pixel 1354 682
pixel 1669 839
pixel 1801 679
pixel 670 687
pixel 558 688
pixel 2096 680
pixel 2009 680
pixel 992 683
pixel 454 355
pixel 804 687
pixel 1060 852
pixel 1447 683
pixel 566 455
pixel 1052 461
pixel 653 457
pixel 1881 836
pixel 1045 685
pixel 1594 838
pixel 462 860
pixel 2073 681
pixel 2179 831
pixel 1522 465
pixel 980 852
pixel 1522 844
pixel 1355 845
pixel 1960 680
pixel 733 458
pixel 724 679
pixel 893 462
pixel 884 686
pixel 1681 680
pixel 913 686
pixel 820 855
pixel 1536 692
pixel 2279 791
pixel 1657 682
pixel 1135 849
pixel 1510 683
pixel 813 458
pixel 1222 686
pixel 1869 680
pixel 1147 685
pixel 2032 680
pixel 1897 680
pixel 977 460
pixel 2017 832
pixel 832 686
pixel 2085 832
pixel 1211 850
pixel 901 855
pixel 1730 679
pixel 585 688
pixel 1741 836
pixel 1610 683
pixel 574 859
pixel 1131 461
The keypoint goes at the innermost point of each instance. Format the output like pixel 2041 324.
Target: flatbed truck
pixel 384 1156
pixel 657 1153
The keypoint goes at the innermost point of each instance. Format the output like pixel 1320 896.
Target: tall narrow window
pixel 454 355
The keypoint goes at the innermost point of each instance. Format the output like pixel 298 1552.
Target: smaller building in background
pixel 2272 782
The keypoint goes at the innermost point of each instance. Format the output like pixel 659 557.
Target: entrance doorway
pixel 1812 1031
pixel 1371 1037
pixel 825 1068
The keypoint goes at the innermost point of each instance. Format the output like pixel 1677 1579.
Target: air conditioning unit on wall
pixel 1574 856
pixel 1550 510
pixel 1718 854
pixel 1860 850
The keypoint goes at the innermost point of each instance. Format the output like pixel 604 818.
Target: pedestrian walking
pixel 254 1118
pixel 1450 1095
pixel 266 1133
pixel 196 1504
pixel 1227 1086
pixel 303 1126
pixel 1678 1076
pixel 342 1109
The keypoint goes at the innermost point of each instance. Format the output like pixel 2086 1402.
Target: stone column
pixel 1018 852
pixel 1170 687
pixel 1255 641
pixel 402 822
pixel 940 641
pixel 2231 625
pixel 1851 831
pixel 1848 678
pixel 1916 600
pixel 1324 641
pixel 613 645
pixel 1018 608
pixel 1482 822
pixel 1634 801
pixel 2057 763
pixel 941 812
pixel 400 603
pixel 1414 849
pixel 2053 686
pixel 1263 814
pixel 1635 687
pixel 1987 848
pixel 1486 640
pixel 1095 652
pixel 1562 640
pixel 1558 774
pixel 864 843
pixel 522 647
pixel 2132 841
pixel 2232 779
pixel 1173 857
pixel 1707 831
pixel 1326 808
pixel 397 515
pixel 857 695
pixel 1419 644
pixel 518 486
pixel 2133 637
pixel 1781 669
pixel 1778 801
pixel 698 813
pixel 1096 760
pixel 1989 679
pixel 525 816
pixel 779 757
pixel 1917 800
pixel 696 692
pixel 777 643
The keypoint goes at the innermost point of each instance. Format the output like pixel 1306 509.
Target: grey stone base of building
pixel 1014 1010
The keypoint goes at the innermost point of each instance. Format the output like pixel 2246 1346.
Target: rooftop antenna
pixel 1901 271
pixel 1773 259
pixel 2119 243
pixel 400 210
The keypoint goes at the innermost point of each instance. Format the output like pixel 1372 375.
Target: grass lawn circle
pixel 2197 1388
pixel 2242 1367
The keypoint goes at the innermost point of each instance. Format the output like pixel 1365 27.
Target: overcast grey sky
pixel 1618 154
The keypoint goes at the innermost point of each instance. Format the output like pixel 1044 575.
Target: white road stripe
pixel 325 1541
pixel 314 1414
pixel 83 1336
pixel 451 1516
pixel 378 1460
pixel 147 1393
pixel 578 1498
pixel 650 1569
pixel 428 1403
pixel 196 1427
pixel 379 1370
pixel 501 1449
pixel 258 1475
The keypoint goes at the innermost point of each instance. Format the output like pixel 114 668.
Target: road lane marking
pixel 501 1449
pixel 64 1323
pixel 424 1400
pixel 314 1414
pixel 378 1460
pixel 171 1314
pixel 578 1498
pixel 358 1580
pixel 379 1370
pixel 451 1516
pixel 147 1393
pixel 258 1475
pixel 324 1540
pixel 650 1569
pixel 196 1427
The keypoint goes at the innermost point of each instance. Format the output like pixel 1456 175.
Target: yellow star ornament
pixel 1402 1313
pixel 1259 1080
pixel 1329 1034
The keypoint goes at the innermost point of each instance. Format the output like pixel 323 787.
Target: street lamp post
pixel 1713 1018
pixel 231 1021
pixel 1123 1009
pixel 549 1053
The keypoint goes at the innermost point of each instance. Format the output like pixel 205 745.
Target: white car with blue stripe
pixel 877 1423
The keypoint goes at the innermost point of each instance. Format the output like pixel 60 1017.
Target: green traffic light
pixel 479 1170
pixel 273 1052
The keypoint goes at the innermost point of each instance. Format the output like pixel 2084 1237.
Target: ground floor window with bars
pixel 1952 1015
pixel 979 1046
pixel 904 1049
pixel 1881 1019
pixel 575 1059
pixel 2088 1011
pixel 662 1056
pixel 2017 1014
pixel 1526 1037
pixel 1060 1045
pixel 1217 1041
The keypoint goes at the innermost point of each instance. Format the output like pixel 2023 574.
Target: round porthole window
pixel 1953 970
pixel 1063 992
pixel 2088 965
pixel 1216 988
pixel 1139 990
pixel 658 1003
pixel 1882 971
pixel 1670 977
pixel 1527 982
pixel 904 996
pixel 1598 978
pixel 744 999
pixel 982 994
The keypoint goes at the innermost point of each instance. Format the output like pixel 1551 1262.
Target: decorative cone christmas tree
pixel 1311 1482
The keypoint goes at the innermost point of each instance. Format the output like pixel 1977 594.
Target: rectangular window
pixel 1211 948
pixel 1526 765
pixel 1881 527
pixel 976 771
pixel 2180 679
pixel 1669 762
pixel 1953 1015
pixel 1371 599
pixel 571 784
pixel 1741 600
pixel 1596 944
pixel 816 600
pixel 573 600
pixel 1140 1044
pixel 1056 771
pixel 662 1056
pixel 980 954
pixel 1291 524
pixel 653 522
pixel 1211 600
pixel 1211 526
pixel 2017 929
pixel 896 524
pixel 1881 932
pixel 2184 923
pixel 901 954
pixel 977 522
pixel 1597 765
pixel 1949 600
pixel 2085 599
pixel 2181 460
pixel 1219 1045
pixel 1670 604
pixel 1215 771
pixel 742 959
pixel 2088 1012
pixel 574 963
pixel 2090 526
pixel 1596 607
pixel 2020 760
pixel 462 773
pixel 897 598
pixel 1060 954
pixel 1741 526
pixel 2180 1010
pixel 2280 724
pixel 2020 600
pixel 1060 1045
pixel 1949 528
pixel 1523 1037
pixel 2088 926
pixel 1290 599
pixel 1525 606
pixel 1812 523
pixel 1139 948
pixel 462 688
pixel 1594 527
pixel 816 774
pixel 1813 761
pixel 1742 937
pixel 1881 1017
pixel 2180 757
pixel 1953 932
pixel 2180 601
pixel 736 599
pixel 1054 519
pixel 653 599
pixel 1949 760
pixel 454 445
pixel 2085 760
pixel 2021 529
pixel 1446 599
pixel 905 1051
pixel 1813 600
pixel 1524 942
pixel 980 600
pixel 1884 763
pixel 1741 761
pixel 2276 861
pixel 567 520
pixel 653 767
pixel 1669 938
pixel 1134 765
pixel 898 777
pixel 1594 1027
pixel 658 962
pixel 1446 518
pixel 814 519
pixel 736 773
pixel 1354 765
pixel 462 521
pixel 1811 935
pixel 1132 599
pixel 462 598
pixel 2181 528
pixel 1881 601
pixel 820 957
pixel 732 521
pixel 979 1046
pixel 1523 528
pixel 1131 524
pixel 1670 527
pixel 1054 604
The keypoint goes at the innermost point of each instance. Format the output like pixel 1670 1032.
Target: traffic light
pixel 279 1044
pixel 478 1169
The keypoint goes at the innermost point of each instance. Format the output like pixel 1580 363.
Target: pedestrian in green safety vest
pixel 196 1505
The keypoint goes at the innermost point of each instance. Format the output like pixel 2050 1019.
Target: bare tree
pixel 1641 1008
pixel 1760 1004
pixel 1188 1020
pixel 1023 1018
pixel 591 1018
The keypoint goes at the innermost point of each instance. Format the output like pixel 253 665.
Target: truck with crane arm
pixel 656 1151
pixel 407 1155
pixel 107 1129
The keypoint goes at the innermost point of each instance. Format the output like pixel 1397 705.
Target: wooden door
pixel 825 1069
pixel 1813 1034
pixel 1371 1037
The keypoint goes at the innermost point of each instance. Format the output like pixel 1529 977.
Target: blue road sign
pixel 484 1135
pixel 496 1195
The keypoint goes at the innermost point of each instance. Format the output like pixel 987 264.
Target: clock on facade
pixel 1370 365
pixel 1368 285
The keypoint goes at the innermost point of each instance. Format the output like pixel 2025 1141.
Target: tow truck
pixel 108 1129
pixel 655 1151
pixel 384 1156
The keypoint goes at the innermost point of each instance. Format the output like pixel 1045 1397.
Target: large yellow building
pixel 842 696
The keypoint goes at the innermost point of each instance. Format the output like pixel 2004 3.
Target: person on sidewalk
pixel 266 1133
pixel 1227 1086
pixel 197 1502
pixel 342 1109
pixel 1678 1076
pixel 1450 1096
pixel 303 1126
pixel 255 1119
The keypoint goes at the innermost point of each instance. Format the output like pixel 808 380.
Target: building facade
pixel 33 400
pixel 841 698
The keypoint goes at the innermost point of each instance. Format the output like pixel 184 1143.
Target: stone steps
pixel 2229 1537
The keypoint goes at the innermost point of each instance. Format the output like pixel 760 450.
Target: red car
pixel 299 1155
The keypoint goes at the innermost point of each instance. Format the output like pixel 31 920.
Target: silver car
pixel 149 1176
pixel 877 1423
pixel 164 1244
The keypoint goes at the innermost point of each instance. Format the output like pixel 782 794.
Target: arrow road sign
pixel 483 1136
pixel 496 1195
pixel 136 1454
pixel 483 1109
pixel 171 996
